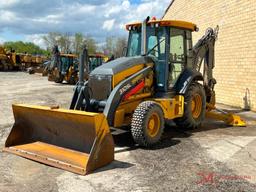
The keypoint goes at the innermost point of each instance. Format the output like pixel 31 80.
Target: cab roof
pixel 101 55
pixel 169 23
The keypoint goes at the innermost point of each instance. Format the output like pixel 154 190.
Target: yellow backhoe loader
pixel 63 66
pixel 162 77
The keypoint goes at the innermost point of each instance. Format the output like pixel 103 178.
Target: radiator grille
pixel 100 86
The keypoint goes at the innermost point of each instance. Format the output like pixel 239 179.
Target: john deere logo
pixel 124 89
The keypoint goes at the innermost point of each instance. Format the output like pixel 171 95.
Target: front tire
pixel 147 124
pixel 58 77
pixel 194 107
pixel 73 79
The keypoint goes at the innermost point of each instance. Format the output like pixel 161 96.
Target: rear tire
pixel 147 124
pixel 194 107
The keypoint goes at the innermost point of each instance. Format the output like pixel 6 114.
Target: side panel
pixel 117 78
pixel 120 90
pixel 173 107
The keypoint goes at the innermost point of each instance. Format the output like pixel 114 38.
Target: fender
pixel 185 79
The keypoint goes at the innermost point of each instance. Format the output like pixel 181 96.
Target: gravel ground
pixel 213 158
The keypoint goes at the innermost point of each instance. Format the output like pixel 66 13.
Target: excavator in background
pixel 162 77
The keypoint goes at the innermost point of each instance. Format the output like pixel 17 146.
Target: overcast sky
pixel 28 20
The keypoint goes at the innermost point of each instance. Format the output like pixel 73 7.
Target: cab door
pixel 156 47
pixel 177 55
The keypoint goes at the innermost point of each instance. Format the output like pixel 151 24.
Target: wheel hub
pixel 153 125
pixel 196 105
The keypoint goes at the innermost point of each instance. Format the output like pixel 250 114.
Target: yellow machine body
pixel 80 141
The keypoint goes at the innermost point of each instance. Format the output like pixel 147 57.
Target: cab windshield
pixel 155 42
pixel 66 62
pixel 94 62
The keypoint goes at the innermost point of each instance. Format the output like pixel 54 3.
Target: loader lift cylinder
pixel 83 61
pixel 80 94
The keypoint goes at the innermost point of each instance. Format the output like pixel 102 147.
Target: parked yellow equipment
pixel 158 79
pixel 64 68
pixel 31 61
pixel 4 60
pixel 10 60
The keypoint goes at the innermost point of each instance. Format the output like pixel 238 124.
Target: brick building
pixel 235 56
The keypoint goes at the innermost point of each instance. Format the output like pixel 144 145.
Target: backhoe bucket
pixel 73 140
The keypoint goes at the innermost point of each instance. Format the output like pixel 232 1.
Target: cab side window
pixel 177 55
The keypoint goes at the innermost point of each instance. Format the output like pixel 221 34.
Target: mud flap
pixel 72 140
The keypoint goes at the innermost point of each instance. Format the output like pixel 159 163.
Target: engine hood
pixel 120 64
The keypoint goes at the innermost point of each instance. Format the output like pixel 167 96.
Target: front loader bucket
pixel 73 140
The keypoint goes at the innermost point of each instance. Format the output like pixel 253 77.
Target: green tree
pixel 25 47
pixel 91 44
pixel 120 45
pixel 78 42
pixel 109 46
pixel 64 43
pixel 69 43
pixel 115 46
pixel 51 39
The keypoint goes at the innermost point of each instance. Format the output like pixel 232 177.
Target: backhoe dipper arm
pixel 55 58
pixel 204 50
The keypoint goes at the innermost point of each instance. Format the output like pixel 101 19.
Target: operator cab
pixel 95 60
pixel 67 61
pixel 168 42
